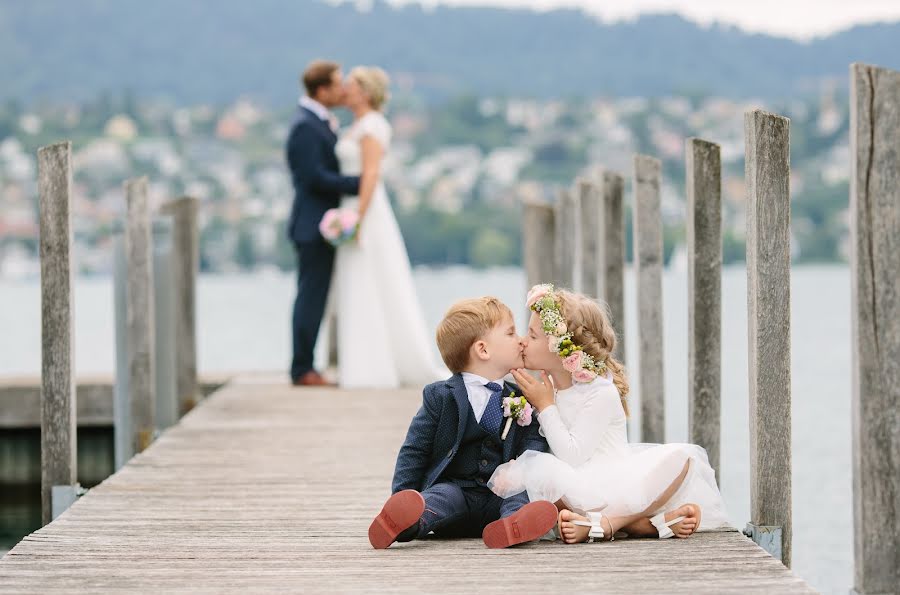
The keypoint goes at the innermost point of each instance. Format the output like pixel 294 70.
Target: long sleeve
pixel 415 454
pixel 576 444
pixel 305 158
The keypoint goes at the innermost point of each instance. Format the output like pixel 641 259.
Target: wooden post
pixel 139 313
pixel 186 265
pixel 567 238
pixel 611 249
pixel 648 250
pixel 768 174
pixel 590 203
pixel 58 405
pixel 704 240
pixel 538 242
pixel 875 266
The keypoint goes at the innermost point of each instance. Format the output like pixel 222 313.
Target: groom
pixel 318 186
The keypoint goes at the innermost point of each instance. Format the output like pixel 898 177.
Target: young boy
pixel 454 442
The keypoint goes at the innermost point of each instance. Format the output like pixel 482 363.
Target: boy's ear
pixel 479 350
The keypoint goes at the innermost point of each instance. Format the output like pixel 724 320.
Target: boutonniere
pixel 516 408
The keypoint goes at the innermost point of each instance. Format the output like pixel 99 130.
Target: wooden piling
pixel 704 245
pixel 538 242
pixel 139 314
pixel 186 265
pixel 590 203
pixel 567 238
pixel 611 249
pixel 768 172
pixel 58 405
pixel 648 251
pixel 875 287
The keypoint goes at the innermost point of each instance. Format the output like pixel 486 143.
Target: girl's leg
pixel 642 527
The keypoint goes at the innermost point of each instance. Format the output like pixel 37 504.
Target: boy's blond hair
pixel 464 323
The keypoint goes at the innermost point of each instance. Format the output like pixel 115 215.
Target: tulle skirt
pixel 620 484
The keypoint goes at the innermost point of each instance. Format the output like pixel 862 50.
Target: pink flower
pixel 583 376
pixel 507 404
pixel 573 362
pixel 536 293
pixel 561 328
pixel 525 418
pixel 349 219
pixel 553 343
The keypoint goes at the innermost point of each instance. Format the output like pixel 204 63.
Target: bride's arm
pixel 372 154
pixel 575 445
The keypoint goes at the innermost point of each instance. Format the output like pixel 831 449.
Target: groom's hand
pixel 538 392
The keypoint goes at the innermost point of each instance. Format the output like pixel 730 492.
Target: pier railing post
pixel 58 406
pixel 875 270
pixel 567 237
pixel 164 326
pixel 648 252
pixel 611 253
pixel 185 268
pixel 589 200
pixel 139 314
pixel 704 245
pixel 768 171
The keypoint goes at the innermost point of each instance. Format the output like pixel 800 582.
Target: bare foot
pixel 572 533
pixel 687 527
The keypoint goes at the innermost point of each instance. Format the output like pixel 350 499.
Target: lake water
pixel 244 325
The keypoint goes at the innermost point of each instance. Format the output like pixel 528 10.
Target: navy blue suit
pixel 448 457
pixel 318 186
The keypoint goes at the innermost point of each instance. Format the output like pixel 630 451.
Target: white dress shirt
pixel 479 394
pixel 320 110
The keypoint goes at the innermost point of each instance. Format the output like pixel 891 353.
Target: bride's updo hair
pixel 374 81
pixel 588 321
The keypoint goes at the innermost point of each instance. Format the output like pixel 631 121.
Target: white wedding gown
pixel 382 339
pixel 592 466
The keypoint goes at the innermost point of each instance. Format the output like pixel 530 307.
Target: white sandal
pixel 596 525
pixel 664 528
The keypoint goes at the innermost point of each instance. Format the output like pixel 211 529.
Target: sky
pixel 798 19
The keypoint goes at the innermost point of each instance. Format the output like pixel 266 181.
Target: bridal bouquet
pixel 516 408
pixel 338 226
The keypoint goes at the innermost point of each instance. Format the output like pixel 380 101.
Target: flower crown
pixel 542 299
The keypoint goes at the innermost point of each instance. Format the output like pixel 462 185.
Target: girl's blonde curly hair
pixel 588 321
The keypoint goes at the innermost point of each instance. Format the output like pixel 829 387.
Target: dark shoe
pixel 400 512
pixel 530 522
pixel 312 378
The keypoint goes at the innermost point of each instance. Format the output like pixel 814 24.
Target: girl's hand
pixel 538 392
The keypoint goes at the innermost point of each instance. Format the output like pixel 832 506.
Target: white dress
pixel 382 338
pixel 593 467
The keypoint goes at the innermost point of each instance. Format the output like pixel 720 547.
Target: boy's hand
pixel 538 392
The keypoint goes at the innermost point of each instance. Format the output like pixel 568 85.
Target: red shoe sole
pixel 400 512
pixel 530 522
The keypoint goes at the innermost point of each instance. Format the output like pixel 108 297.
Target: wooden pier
pixel 266 487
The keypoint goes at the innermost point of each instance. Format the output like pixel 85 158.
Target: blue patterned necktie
pixel 493 413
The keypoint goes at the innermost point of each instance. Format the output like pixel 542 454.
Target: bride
pixel 382 339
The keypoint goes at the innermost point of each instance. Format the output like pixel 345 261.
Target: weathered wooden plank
pixel 704 245
pixel 875 266
pixel 217 504
pixel 768 174
pixel 58 404
pixel 612 253
pixel 139 313
pixel 648 251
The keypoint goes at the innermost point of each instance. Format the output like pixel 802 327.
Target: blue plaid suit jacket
pixel 436 432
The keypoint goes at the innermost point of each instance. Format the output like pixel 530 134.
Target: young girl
pixel 600 483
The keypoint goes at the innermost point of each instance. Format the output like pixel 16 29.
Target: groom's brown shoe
pixel 400 512
pixel 312 378
pixel 530 522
